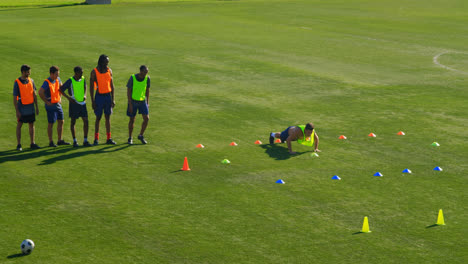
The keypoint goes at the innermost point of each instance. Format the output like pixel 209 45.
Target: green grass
pixel 227 71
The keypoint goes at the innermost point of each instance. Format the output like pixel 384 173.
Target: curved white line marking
pixel 435 59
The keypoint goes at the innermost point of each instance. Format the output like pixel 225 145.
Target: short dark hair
pixel 25 68
pixel 54 69
pixel 309 126
pixel 78 69
pixel 143 67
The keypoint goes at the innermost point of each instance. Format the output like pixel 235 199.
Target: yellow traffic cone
pixel 365 226
pixel 440 218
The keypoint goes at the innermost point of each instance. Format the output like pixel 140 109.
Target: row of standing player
pixel 102 98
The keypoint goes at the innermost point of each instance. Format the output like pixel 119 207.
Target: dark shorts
pixel 27 118
pixel 103 103
pixel 54 113
pixel 139 106
pixel 285 134
pixel 77 110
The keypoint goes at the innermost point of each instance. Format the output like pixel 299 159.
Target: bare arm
pixel 15 103
pixel 292 137
pixel 129 98
pixel 316 140
pixel 147 95
pixel 112 88
pixel 92 80
pixel 43 97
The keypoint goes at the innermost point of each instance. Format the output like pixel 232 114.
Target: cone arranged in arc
pixel 378 174
pixel 406 171
pixel 365 226
pixel 314 154
pixel 342 137
pixel 280 181
pixel 186 166
pixel 258 142
pixel 278 140
pixel 225 161
pixel 372 135
pixel 440 218
pixel 336 177
pixel 401 133
pixel 435 144
pixel 438 169
pixel 233 144
pixel 200 146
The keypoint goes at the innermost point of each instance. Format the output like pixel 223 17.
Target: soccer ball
pixel 27 246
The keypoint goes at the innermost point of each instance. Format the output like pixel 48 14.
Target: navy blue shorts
pixel 284 135
pixel 54 113
pixel 103 103
pixel 140 106
pixel 77 110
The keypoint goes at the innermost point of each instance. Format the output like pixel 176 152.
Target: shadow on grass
pixel 23 7
pixel 16 255
pixel 278 152
pixel 64 153
pixel 431 226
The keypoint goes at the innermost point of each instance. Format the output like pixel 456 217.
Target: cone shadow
pixel 431 226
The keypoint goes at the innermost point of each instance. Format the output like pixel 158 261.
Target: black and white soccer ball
pixel 27 246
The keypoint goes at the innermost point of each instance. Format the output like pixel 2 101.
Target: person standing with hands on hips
pixel 138 101
pixel 101 81
pixel 76 87
pixel 50 94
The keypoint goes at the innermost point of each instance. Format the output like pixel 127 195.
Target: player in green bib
pixel 76 87
pixel 138 101
pixel 303 134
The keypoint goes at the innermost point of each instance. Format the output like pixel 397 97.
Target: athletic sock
pixel 74 140
pixel 85 139
pixel 108 136
pixel 96 136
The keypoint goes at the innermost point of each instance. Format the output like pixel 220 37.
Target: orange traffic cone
pixel 342 137
pixel 200 146
pixel 278 140
pixel 401 133
pixel 185 167
pixel 371 135
pixel 233 144
pixel 258 142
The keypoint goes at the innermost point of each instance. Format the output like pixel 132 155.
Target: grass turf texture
pixel 227 71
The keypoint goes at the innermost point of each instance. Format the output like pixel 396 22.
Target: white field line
pixel 435 59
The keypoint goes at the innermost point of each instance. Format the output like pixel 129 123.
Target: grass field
pixel 227 71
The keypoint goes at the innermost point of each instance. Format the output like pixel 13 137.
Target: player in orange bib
pixel 102 83
pixel 24 100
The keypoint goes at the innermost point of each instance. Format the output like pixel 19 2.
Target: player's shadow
pixel 89 151
pixel 59 153
pixel 279 152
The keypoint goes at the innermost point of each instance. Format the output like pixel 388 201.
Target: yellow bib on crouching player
pixel 306 141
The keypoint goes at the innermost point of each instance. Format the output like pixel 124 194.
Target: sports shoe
pixel 75 144
pixel 130 141
pixel 110 142
pixel 142 139
pixel 52 144
pixel 34 146
pixel 96 142
pixel 19 148
pixel 62 142
pixel 86 144
pixel 272 139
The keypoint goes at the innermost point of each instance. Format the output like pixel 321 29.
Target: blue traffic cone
pixel 335 177
pixel 280 181
pixel 438 169
pixel 406 171
pixel 378 174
